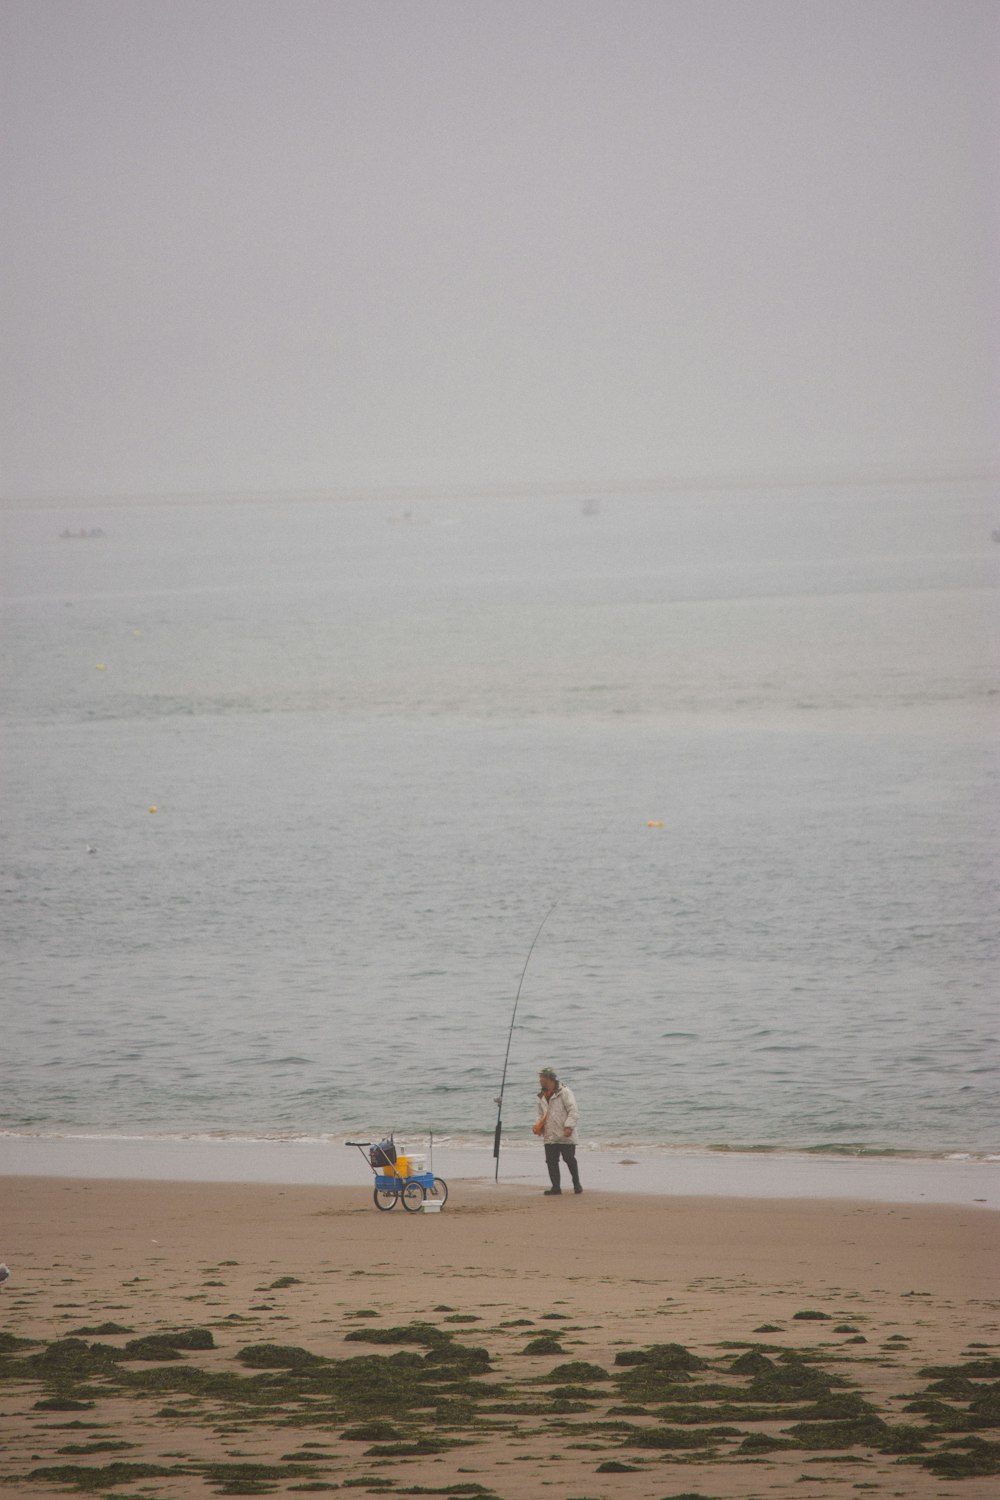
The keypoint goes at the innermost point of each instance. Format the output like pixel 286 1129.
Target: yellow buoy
pixel 652 824
pixel 100 667
pixel 153 808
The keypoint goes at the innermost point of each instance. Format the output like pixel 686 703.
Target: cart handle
pixel 357 1143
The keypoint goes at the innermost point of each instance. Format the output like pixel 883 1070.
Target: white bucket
pixel 431 1205
pixel 418 1163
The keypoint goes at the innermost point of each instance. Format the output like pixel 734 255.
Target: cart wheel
pixel 412 1195
pixel 385 1198
pixel 438 1189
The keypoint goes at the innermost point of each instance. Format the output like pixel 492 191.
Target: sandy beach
pixel 185 1339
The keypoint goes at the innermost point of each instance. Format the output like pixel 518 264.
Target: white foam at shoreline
pixel 687 1172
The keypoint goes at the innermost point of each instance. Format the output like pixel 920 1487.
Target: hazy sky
pixel 331 244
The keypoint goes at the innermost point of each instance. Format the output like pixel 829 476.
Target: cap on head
pixel 548 1073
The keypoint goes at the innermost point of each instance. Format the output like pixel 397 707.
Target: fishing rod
pixel 499 1098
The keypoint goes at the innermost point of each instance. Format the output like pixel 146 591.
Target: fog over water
pixel 278 838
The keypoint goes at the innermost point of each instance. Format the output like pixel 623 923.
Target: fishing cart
pixel 403 1177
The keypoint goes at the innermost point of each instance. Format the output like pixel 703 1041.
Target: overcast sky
pixel 353 244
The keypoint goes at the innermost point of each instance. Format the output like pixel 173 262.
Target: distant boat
pixel 82 535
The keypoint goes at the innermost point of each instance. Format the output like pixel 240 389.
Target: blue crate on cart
pixel 389 1182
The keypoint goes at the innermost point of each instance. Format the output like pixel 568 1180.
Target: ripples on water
pixel 379 752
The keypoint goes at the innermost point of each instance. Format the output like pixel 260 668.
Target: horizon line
pixel 567 489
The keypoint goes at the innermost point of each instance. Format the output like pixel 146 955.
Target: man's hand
pixel 568 1130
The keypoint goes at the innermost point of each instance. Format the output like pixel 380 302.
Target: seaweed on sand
pixel 973 1369
pixel 653 1373
pixel 249 1479
pixel 168 1346
pixel 974 1395
pixel 956 1384
pixel 759 1443
pixel 64 1368
pixel 292 1378
pixel 421 1392
pixel 984 1408
pixel 545 1343
pixel 578 1370
pixel 90 1479
pixel 753 1362
pixel 678 1437
pixel 62 1403
pixel 968 1459
pixel 227 1478
pixel 672 1357
pixel 408 1333
pixel 837 1406
pixel 902 1438
pixel 701 1390
pixel 790 1381
pixel 9 1342
pixel 469 1488
pixel 849 1432
pixel 81 1450
pixel 277 1357
pixel 689 1495
pixel 414 1447
pixel 376 1430
pixel 103 1330
pixel 470 1359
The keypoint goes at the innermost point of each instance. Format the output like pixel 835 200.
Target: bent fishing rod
pixel 503 1080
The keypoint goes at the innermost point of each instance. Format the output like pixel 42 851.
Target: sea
pixel 330 819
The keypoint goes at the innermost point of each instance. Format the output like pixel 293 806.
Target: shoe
pixel 578 1188
pixel 553 1192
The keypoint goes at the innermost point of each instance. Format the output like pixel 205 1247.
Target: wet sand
pixel 959 1179
pixel 597 1278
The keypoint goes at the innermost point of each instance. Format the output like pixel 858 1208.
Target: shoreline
pixel 538 1315
pixel 646 1171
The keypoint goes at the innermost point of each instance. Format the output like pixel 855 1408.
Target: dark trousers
pixel 565 1149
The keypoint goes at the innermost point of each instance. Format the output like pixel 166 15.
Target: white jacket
pixel 558 1112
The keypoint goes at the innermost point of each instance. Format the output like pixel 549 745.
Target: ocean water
pixel 288 789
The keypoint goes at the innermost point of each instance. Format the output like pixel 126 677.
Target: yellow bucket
pixel 403 1166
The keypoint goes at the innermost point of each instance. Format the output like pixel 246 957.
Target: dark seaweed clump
pixel 678 1437
pixel 9 1342
pixel 166 1346
pixel 88 1479
pixel 672 1357
pixel 277 1357
pixel 576 1370
pixel 410 1333
pixel 102 1331
pixel 545 1343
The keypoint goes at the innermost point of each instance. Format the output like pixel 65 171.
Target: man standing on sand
pixel 556 1124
